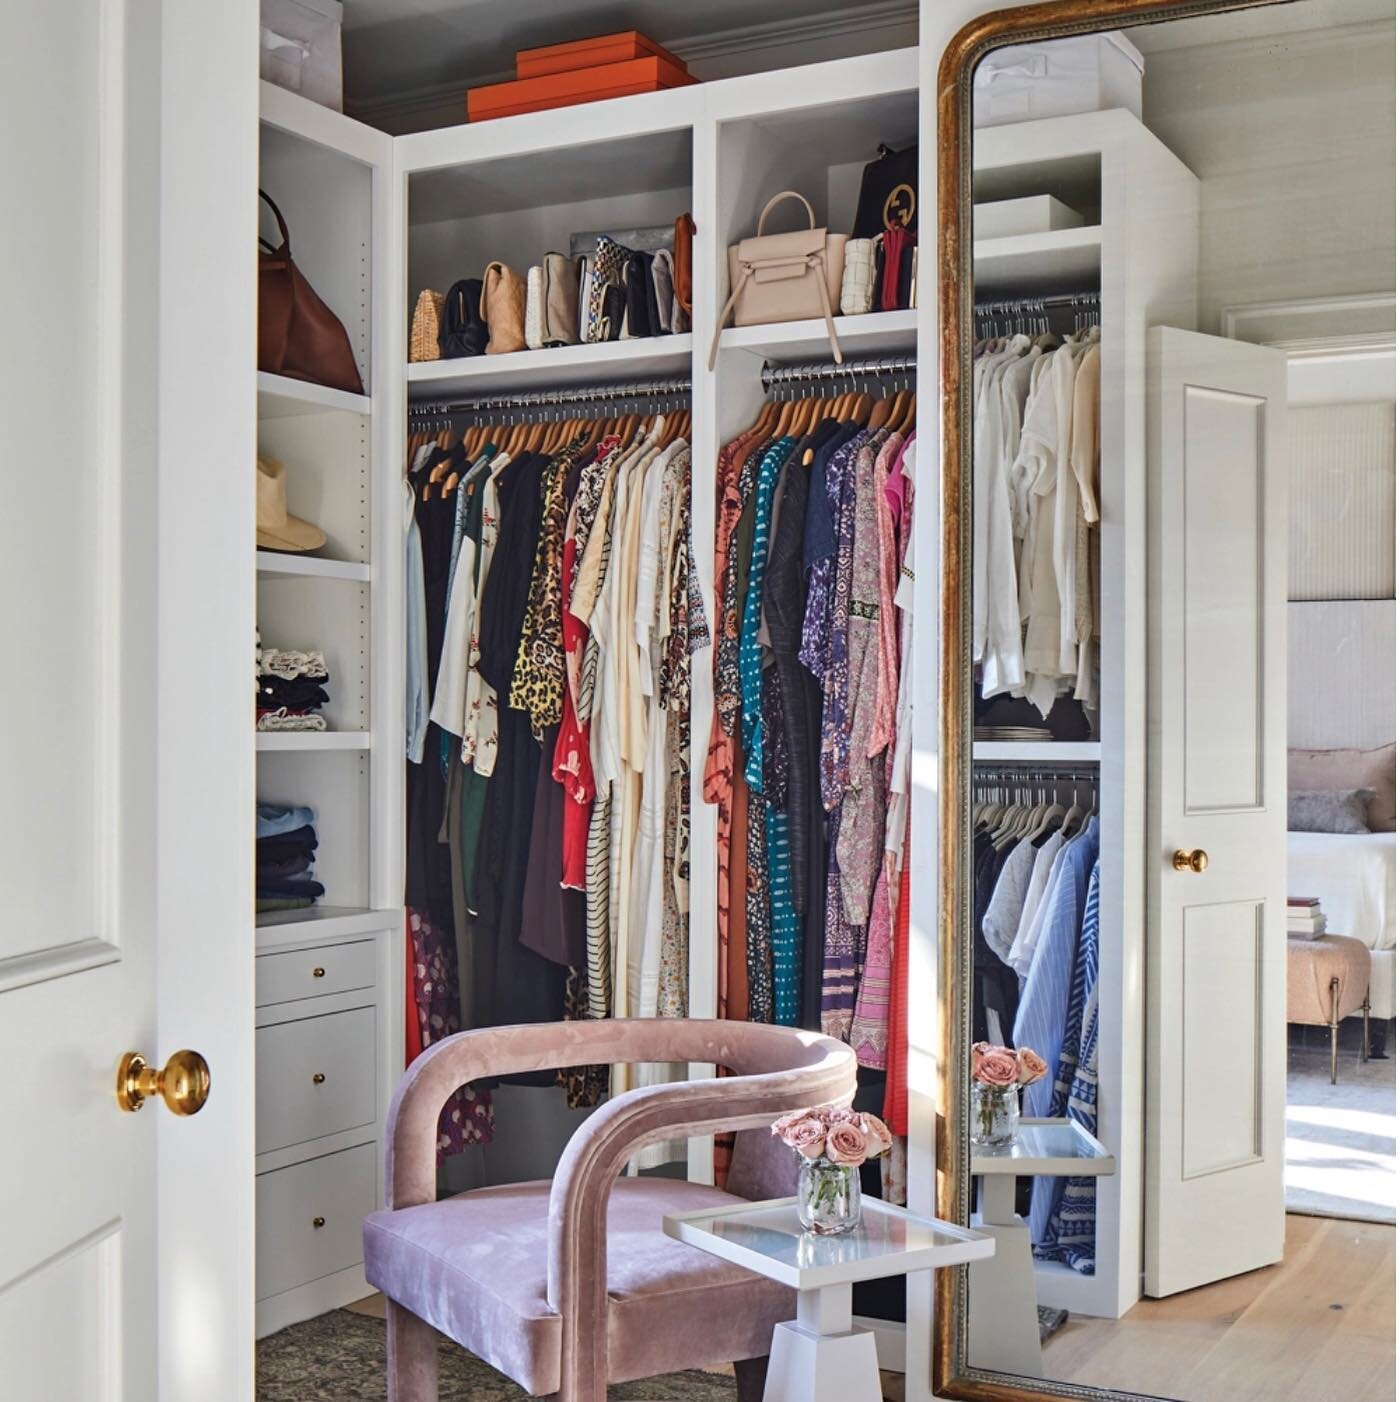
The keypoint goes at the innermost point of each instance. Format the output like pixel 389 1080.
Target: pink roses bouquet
pixel 845 1138
pixel 1003 1066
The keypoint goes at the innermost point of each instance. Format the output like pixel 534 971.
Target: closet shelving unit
pixel 374 219
pixel 330 979
pixel 552 367
pixel 1138 250
pixel 518 187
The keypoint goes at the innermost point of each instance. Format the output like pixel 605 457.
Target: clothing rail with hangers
pixel 1004 315
pixel 824 375
pixel 568 399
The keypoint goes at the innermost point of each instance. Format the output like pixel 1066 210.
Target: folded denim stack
pixel 291 689
pixel 286 858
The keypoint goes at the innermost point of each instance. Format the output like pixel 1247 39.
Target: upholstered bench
pixel 1329 978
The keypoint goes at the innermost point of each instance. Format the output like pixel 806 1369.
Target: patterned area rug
pixel 339 1357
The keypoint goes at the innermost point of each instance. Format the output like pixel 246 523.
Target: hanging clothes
pixel 807 723
pixel 548 862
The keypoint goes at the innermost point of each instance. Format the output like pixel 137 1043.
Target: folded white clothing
pixel 289 664
pixel 282 719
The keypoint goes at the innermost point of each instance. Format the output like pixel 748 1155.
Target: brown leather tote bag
pixel 298 334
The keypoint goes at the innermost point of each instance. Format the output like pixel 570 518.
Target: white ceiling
pixel 396 47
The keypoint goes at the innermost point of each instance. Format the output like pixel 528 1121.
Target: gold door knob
pixel 318 1078
pixel 1196 861
pixel 318 1222
pixel 183 1083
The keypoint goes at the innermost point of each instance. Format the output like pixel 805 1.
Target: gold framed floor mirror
pixel 1167 326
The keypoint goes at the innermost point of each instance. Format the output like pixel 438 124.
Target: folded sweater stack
pixel 291 689
pixel 286 858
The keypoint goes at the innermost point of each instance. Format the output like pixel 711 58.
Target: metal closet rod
pixel 571 395
pixel 1054 299
pixel 1009 772
pixel 810 371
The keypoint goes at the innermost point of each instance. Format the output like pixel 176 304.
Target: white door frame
pixel 202 651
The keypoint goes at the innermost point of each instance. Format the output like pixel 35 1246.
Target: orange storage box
pixel 589 53
pixel 650 74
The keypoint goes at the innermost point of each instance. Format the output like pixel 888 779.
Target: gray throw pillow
pixel 1329 810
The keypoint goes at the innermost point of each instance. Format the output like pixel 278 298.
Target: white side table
pixel 819 1356
pixel 1003 1325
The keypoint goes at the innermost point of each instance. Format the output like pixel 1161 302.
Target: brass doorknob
pixel 183 1083
pixel 1196 861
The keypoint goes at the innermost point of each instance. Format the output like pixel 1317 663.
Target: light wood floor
pixel 1319 1326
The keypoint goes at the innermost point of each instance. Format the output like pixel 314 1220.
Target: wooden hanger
pixel 879 413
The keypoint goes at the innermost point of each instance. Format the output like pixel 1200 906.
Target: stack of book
pixel 1305 918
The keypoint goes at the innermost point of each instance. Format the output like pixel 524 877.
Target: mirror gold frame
pixel 953 1377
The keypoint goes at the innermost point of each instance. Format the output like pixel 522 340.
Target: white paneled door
pixel 1216 810
pixel 125 1238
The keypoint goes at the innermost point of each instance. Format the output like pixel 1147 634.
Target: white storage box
pixel 1036 214
pixel 301 48
pixel 1087 73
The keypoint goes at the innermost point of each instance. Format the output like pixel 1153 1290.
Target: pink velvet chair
pixel 570 1285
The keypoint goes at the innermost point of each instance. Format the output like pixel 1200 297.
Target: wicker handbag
pixel 423 334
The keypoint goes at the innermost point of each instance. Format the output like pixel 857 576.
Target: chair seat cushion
pixel 474 1267
pixel 1313 964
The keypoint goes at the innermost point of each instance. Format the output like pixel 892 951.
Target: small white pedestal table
pixel 1003 1324
pixel 820 1356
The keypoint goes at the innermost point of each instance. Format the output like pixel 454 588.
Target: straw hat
pixel 277 530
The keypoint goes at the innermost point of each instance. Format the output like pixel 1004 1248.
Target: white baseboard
pixel 330 1292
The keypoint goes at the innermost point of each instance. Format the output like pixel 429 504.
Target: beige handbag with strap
pixel 784 277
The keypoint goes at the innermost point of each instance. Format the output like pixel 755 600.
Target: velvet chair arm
pixel 777 1069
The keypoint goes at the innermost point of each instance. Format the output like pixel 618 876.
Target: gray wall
pixel 1293 138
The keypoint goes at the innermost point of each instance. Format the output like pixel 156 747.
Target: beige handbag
pixel 534 308
pixel 784 277
pixel 503 309
pixel 423 335
pixel 559 303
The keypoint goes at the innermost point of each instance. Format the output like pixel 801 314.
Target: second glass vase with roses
pixel 998 1073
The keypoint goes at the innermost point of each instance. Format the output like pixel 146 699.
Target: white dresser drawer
pixel 335 1191
pixel 311 973
pixel 315 1077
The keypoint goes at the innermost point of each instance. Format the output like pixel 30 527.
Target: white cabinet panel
pixel 315 1077
pixel 309 1218
pixel 313 973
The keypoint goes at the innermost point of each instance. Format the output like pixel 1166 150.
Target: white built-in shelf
pixel 875 333
pixel 310 121
pixel 274 563
pixel 321 922
pixel 313 739
pixel 1037 751
pixel 659 356
pixel 1062 258
pixel 280 397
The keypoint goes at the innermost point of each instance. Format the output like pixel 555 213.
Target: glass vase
pixel 828 1197
pixel 996 1112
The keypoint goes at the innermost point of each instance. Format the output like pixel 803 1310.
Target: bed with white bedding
pixel 1353 875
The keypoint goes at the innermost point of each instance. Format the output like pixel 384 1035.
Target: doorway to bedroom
pixel 1341 1125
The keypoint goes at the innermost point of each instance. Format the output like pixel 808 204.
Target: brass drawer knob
pixel 183 1082
pixel 318 1078
pixel 1196 861
pixel 318 1222
pixel 318 972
